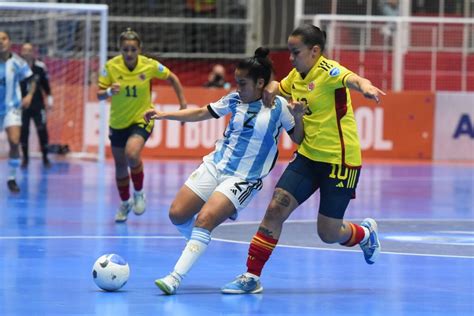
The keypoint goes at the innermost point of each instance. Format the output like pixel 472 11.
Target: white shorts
pixel 206 179
pixel 11 118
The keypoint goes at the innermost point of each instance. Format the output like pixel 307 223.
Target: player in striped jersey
pixel 13 69
pixel 231 175
pixel 127 78
pixel 329 158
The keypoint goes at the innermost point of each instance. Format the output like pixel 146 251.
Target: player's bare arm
pixel 297 109
pixel 187 115
pixel 114 89
pixel 178 88
pixel 365 87
pixel 269 93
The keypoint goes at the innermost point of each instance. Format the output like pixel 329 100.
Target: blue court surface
pixel 63 220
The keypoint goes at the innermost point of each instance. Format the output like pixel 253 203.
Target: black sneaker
pixel 12 186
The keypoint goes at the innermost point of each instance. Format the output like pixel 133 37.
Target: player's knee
pixel 176 214
pixel 276 213
pixel 328 236
pixel 206 221
pixel 133 156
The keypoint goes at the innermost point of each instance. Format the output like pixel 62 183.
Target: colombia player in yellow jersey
pixel 127 80
pixel 328 159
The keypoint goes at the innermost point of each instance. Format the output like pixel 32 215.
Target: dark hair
pixel 311 35
pixel 129 35
pixel 258 66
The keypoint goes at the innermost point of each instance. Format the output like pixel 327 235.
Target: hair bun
pixel 261 52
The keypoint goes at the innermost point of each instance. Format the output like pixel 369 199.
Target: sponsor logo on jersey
pixel 334 72
pixel 142 77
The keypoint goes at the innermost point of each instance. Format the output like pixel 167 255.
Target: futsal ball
pixel 110 272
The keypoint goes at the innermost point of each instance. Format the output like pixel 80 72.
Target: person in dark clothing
pixel 38 107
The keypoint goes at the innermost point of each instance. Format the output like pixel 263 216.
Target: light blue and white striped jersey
pixel 249 147
pixel 12 72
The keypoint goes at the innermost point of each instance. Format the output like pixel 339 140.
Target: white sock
pixel 366 234
pixel 186 228
pixel 251 275
pixel 13 164
pixel 195 247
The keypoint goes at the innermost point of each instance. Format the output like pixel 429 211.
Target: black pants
pixel 39 117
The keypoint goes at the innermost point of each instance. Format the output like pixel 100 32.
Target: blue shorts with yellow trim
pixel 119 137
pixel 337 184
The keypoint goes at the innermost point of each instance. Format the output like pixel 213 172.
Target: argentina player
pixel 231 175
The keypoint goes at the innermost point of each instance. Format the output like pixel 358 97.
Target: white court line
pixel 218 239
pixel 361 219
pixel 87 237
pixel 350 250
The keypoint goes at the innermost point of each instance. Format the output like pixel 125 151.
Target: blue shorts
pixel 119 137
pixel 337 184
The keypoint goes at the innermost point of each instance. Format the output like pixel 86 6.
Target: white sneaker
pixel 139 203
pixel 123 211
pixel 169 284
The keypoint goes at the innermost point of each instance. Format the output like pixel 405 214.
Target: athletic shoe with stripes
pixel 243 284
pixel 371 247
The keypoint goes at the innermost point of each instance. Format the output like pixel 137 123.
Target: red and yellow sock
pixel 123 186
pixel 260 250
pixel 137 177
pixel 357 235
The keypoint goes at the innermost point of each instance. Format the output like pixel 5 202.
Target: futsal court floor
pixel 63 220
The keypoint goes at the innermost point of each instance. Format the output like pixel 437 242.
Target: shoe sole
pixel 163 287
pixel 138 213
pixel 376 253
pixel 230 291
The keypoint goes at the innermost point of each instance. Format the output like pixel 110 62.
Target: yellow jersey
pixel 329 125
pixel 134 98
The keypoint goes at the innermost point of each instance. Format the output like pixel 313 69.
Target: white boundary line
pixel 360 219
pixel 350 250
pixel 217 239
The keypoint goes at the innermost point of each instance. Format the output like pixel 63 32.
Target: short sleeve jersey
pixel 135 89
pixel 14 70
pixel 330 127
pixel 249 147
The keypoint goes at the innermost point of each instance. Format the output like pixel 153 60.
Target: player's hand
pixel 297 108
pixel 269 93
pixel 372 92
pixel 26 101
pixel 152 115
pixel 115 88
pixel 183 106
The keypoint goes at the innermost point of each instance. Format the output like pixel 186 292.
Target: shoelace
pixel 244 279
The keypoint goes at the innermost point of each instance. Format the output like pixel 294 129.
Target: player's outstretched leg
pixel 371 247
